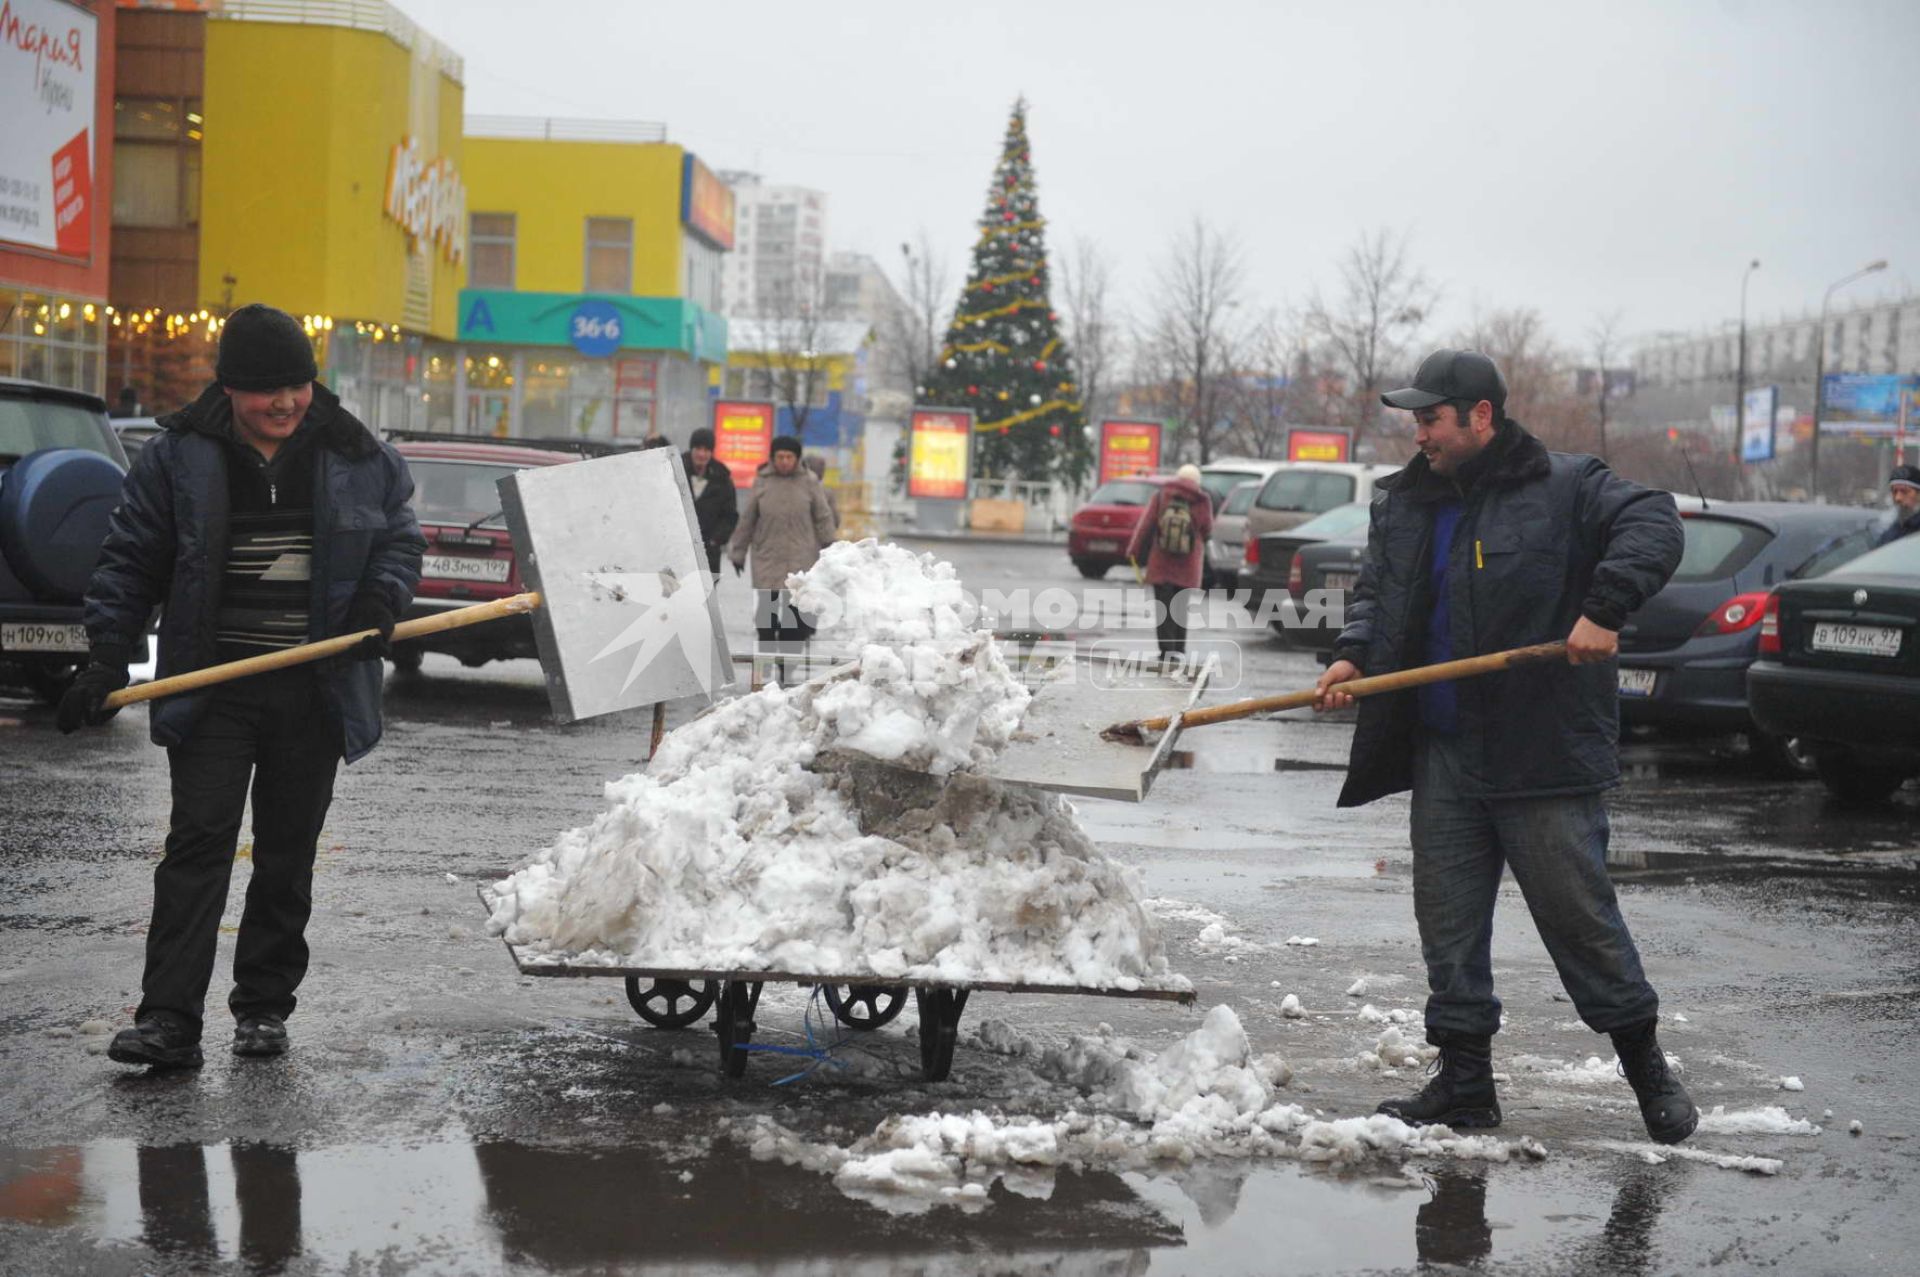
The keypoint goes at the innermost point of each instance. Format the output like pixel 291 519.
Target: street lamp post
pixel 1820 373
pixel 1740 374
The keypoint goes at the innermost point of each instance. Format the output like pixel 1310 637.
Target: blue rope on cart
pixel 812 1051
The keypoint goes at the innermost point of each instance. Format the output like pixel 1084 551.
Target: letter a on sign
pixel 479 317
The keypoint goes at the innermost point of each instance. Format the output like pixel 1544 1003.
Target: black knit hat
pixel 1908 475
pixel 785 443
pixel 264 349
pixel 701 438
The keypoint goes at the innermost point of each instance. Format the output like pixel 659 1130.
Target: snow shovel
pixel 623 612
pixel 1136 732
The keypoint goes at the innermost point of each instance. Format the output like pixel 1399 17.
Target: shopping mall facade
pixel 516 277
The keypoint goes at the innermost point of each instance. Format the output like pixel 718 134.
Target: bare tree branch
pixel 1093 324
pixel 1191 338
pixel 1382 304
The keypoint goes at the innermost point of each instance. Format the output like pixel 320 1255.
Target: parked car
pixel 1684 653
pixel 61 468
pixel 1223 474
pixel 134 433
pixel 1322 572
pixel 1098 534
pixel 1226 544
pixel 1839 667
pixel 1268 564
pixel 470 556
pixel 1298 490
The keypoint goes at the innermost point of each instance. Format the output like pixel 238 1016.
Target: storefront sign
pixel 939 454
pixel 742 437
pixel 427 199
pixel 1864 403
pixel 48 63
pixel 706 204
pixel 547 319
pixel 1128 448
pixel 594 328
pixel 1318 445
pixel 1756 439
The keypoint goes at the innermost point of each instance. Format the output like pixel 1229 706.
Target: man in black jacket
pixel 263 516
pixel 1488 541
pixel 713 499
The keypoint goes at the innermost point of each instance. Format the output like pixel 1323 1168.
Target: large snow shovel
pixel 624 614
pixel 1136 732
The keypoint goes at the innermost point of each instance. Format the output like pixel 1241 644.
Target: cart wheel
pixel 734 1024
pixel 864 1006
pixel 939 1028
pixel 659 1001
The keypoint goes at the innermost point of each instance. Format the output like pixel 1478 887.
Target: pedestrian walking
pixel 714 504
pixel 1903 485
pixel 784 524
pixel 1487 541
pixel 261 517
pixel 1171 538
pixel 817 466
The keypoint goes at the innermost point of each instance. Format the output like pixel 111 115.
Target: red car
pixel 1097 537
pixel 469 556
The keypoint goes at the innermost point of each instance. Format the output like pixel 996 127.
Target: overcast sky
pixel 1579 158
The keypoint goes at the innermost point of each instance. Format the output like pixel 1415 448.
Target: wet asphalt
pixel 440 1113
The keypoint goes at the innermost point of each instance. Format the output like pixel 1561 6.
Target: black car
pixel 1839 667
pixel 61 468
pixel 1318 580
pixel 1269 570
pixel 1684 653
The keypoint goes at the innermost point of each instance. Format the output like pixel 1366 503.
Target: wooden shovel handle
pixel 1399 680
pixel 193 680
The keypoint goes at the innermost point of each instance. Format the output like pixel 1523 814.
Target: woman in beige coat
pixel 785 523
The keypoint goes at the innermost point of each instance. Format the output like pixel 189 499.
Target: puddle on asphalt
pixel 456 1207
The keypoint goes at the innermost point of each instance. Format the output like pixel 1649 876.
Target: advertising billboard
pixel 742 437
pixel 1128 448
pixel 1319 445
pixel 1864 403
pixel 939 453
pixel 48 69
pixel 1756 436
pixel 706 204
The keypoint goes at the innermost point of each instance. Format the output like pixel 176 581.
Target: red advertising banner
pixel 939 454
pixel 1128 448
pixel 742 437
pixel 1318 445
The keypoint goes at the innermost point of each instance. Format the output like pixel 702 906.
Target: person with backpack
pixel 1171 538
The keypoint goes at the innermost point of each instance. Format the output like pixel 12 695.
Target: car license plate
pixel 460 567
pixel 42 636
pixel 1105 547
pixel 1636 682
pixel 1855 640
pixel 1338 580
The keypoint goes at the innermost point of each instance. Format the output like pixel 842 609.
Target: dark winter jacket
pixel 717 509
pixel 167 542
pixel 1543 539
pixel 1899 528
pixel 1162 566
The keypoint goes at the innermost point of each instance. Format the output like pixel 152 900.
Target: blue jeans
pixel 1557 849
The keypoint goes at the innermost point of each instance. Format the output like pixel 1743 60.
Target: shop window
pixel 156 161
pixel 609 254
pixel 490 250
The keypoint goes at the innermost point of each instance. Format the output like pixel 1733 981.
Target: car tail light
pixel 1741 612
pixel 1296 578
pixel 1253 552
pixel 1770 626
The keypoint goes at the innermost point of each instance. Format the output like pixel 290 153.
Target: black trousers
pixel 275 732
pixel 713 557
pixel 1171 626
pixel 779 625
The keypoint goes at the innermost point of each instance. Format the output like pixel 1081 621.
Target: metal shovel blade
pixel 629 615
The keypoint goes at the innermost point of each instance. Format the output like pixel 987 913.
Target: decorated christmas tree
pixel 1004 356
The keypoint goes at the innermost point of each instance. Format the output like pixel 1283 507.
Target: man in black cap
pixel 1903 485
pixel 1488 541
pixel 714 504
pixel 263 516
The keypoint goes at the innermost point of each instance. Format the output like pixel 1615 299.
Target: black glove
pixel 84 703
pixel 370 612
pixel 739 568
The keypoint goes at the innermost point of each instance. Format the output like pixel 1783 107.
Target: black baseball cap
pixel 1909 475
pixel 1452 374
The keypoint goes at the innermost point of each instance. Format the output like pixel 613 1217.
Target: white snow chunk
pixel 1302 942
pixel 1393 1050
pixel 1680 1019
pixel 1792 1084
pixel 1770 1119
pixel 1856 1127
pixel 1371 1014
pixel 1290 1007
pixel 1358 989
pixel 452 878
pixel 1656 1153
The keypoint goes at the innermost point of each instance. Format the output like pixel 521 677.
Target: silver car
pixel 1228 542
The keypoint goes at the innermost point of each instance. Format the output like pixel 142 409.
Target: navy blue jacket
pixel 1544 538
pixel 1898 528
pixel 166 547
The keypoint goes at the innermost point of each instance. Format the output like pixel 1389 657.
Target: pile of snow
pixel 760 838
pixel 1769 1119
pixel 1206 1096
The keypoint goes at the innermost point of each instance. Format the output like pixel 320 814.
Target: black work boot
pixel 1461 1092
pixel 159 1040
pixel 1664 1104
pixel 260 1035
